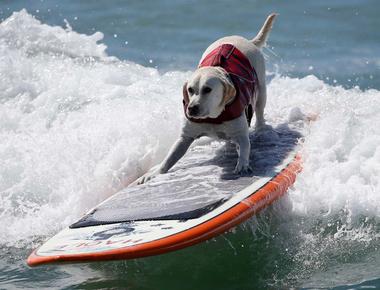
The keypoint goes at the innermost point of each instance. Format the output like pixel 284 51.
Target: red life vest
pixel 240 72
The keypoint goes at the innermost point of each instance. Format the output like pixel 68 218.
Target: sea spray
pixel 76 125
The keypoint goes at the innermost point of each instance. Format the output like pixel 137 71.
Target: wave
pixel 76 125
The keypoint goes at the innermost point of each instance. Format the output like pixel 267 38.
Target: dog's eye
pixel 191 90
pixel 206 90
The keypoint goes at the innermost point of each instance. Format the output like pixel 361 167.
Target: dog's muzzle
pixel 193 111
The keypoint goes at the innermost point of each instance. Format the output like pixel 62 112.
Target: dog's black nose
pixel 193 110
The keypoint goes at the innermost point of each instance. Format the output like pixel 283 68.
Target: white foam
pixel 336 205
pixel 77 125
pixel 341 152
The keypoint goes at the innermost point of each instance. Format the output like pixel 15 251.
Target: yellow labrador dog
pixel 220 97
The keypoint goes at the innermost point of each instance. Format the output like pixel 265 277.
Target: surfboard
pixel 198 199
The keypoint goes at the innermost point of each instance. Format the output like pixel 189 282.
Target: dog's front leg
pixel 244 150
pixel 176 152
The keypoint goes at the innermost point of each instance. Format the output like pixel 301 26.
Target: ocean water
pixel 90 99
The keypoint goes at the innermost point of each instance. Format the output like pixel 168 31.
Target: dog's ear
pixel 228 86
pixel 229 91
pixel 185 93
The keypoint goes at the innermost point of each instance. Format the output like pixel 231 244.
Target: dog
pixel 220 97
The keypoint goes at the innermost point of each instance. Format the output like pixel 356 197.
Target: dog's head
pixel 209 90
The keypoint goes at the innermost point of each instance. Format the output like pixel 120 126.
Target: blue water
pixel 336 41
pixel 90 98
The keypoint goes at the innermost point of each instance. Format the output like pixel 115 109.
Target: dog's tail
pixel 261 38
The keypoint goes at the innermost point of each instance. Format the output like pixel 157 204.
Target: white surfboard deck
pixel 199 198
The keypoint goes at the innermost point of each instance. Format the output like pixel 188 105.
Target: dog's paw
pixel 243 169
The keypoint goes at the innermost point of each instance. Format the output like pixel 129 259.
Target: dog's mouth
pixel 196 115
pixel 196 111
pixel 201 114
